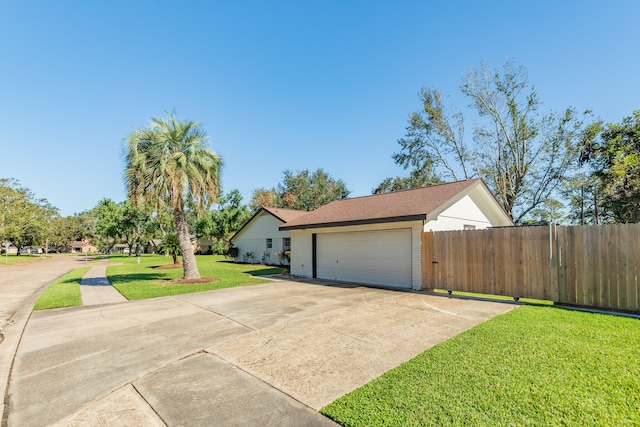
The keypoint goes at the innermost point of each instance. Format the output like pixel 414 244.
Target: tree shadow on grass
pixel 264 271
pixel 132 277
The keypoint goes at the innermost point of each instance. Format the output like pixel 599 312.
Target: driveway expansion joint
pixel 217 313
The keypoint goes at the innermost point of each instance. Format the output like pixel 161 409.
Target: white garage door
pixel 373 257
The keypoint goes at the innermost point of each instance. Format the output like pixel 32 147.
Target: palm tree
pixel 169 166
pixel 171 245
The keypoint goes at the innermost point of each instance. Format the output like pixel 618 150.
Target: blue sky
pixel 279 85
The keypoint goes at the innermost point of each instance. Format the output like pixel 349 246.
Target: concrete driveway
pixel 268 355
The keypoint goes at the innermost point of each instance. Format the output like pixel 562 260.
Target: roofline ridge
pixel 409 189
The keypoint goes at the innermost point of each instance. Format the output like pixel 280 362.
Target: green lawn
pixel 64 292
pixel 21 259
pixel 138 281
pixel 533 366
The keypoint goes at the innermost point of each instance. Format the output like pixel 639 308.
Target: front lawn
pixel 64 292
pixel 21 259
pixel 138 281
pixel 532 366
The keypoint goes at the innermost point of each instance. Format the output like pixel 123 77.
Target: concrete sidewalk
pixel 95 287
pixel 263 355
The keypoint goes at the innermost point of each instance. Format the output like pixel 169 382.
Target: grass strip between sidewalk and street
pixel 144 280
pixel 535 365
pixel 64 292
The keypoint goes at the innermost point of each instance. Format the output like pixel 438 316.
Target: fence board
pixel 586 287
pixel 593 266
pixel 634 274
pixel 623 266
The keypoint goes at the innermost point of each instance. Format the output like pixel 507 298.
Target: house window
pixel 469 227
pixel 286 244
pixel 269 243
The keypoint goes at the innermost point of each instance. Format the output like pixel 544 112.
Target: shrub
pixel 232 252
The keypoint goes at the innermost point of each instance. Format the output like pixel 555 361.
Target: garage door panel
pixel 374 257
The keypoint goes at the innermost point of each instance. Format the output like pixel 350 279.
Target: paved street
pixel 19 289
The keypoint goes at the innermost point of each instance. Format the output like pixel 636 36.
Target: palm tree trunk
pixel 188 258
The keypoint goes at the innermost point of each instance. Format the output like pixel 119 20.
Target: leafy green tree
pixel 223 223
pixel 171 245
pixel 418 178
pixel 521 154
pixel 584 195
pixel 612 151
pixel 65 230
pixel 168 165
pixel 263 197
pixel 133 226
pixel 88 221
pixel 302 190
pixel 24 220
pixel 550 210
pixel 108 223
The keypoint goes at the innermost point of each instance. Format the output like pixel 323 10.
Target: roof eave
pixel 419 217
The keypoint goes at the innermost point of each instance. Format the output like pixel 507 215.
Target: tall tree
pixel 24 219
pixel 418 178
pixel 168 164
pixel 224 222
pixel 263 197
pixel 434 141
pixel 65 230
pixel 584 195
pixel 108 223
pixel 522 154
pixel 302 190
pixel 134 224
pixel 613 152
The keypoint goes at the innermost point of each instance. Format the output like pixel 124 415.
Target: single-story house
pixel 11 249
pixel 152 246
pixel 119 248
pixel 377 239
pixel 79 247
pixel 260 240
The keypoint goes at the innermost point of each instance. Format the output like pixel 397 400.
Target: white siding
pixel 253 238
pixel 463 212
pixel 301 264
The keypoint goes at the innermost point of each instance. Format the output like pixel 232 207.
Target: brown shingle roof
pixel 405 205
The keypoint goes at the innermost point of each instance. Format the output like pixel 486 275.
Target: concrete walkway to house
pixel 95 287
pixel 270 355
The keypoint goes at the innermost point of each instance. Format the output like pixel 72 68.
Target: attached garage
pixel 377 239
pixel 372 257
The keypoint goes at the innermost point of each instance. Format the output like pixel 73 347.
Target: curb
pixel 12 332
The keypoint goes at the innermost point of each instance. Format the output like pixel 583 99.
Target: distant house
pixel 377 239
pixel 152 246
pixel 260 239
pixel 79 247
pixel 204 245
pixel 119 248
pixel 12 250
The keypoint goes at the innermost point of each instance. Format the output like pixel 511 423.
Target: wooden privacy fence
pixel 593 266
